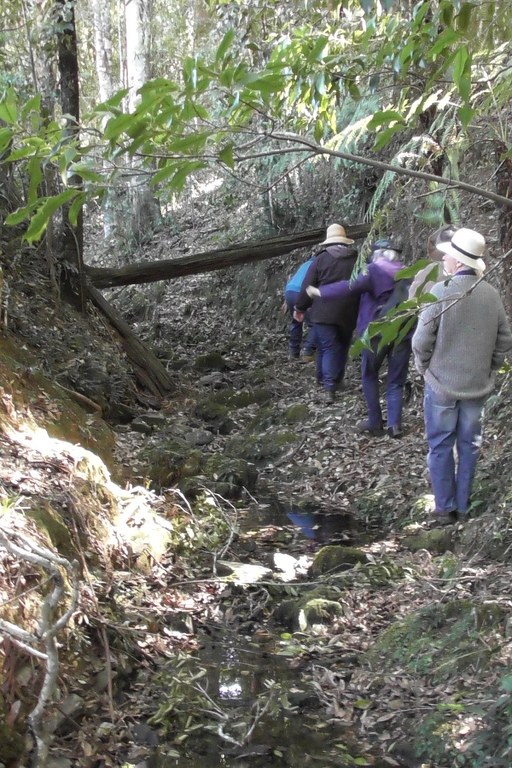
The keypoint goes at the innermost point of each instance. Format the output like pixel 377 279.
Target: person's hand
pixel 312 291
pixel 298 316
pixel 284 308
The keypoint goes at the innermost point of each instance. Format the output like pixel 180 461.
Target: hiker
pixel 296 328
pixel 333 322
pixel 427 277
pixel 379 292
pixel 460 341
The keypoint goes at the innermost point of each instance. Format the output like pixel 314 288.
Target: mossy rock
pixel 379 574
pixel 264 419
pixel 319 611
pixel 169 461
pixel 288 612
pixel 234 474
pixel 296 413
pixel 436 540
pixel 261 447
pixel 439 641
pixel 216 414
pixel 336 558
pixel 211 362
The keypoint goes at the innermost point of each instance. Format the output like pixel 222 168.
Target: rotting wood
pixel 148 369
pixel 209 261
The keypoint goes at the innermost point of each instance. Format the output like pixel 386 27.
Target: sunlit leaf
pixel 225 44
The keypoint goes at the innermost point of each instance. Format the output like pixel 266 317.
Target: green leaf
pixel 8 110
pixel 461 64
pixel 15 218
pixel 32 105
pixel 226 155
pixel 318 52
pixel 40 220
pixel 444 41
pixel 5 138
pixel 385 117
pixel 35 177
pixel 384 137
pixel 116 126
pixel 407 272
pixel 466 114
pixel 224 45
pixel 463 17
pixel 75 208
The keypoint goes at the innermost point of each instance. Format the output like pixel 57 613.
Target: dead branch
pixel 50 625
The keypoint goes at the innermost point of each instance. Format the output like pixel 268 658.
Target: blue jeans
pixel 331 355
pixel 454 427
pixel 398 364
pixel 296 329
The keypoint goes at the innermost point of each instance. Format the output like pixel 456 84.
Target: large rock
pixel 336 558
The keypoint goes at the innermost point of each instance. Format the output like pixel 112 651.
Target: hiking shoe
pixel 307 359
pixel 443 517
pixel 395 432
pixel 364 427
pixel 329 397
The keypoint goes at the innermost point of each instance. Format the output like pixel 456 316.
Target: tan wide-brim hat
pixel 336 234
pixel 467 246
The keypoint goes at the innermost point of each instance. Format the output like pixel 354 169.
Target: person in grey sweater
pixel 459 343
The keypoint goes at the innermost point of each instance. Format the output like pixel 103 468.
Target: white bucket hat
pixel 467 246
pixel 336 234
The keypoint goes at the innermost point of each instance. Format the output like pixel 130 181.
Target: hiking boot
pixel 443 518
pixel 395 432
pixel 307 358
pixel 364 427
pixel 329 397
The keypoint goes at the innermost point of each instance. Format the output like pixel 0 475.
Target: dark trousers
pixel 331 356
pixel 398 363
pixel 296 329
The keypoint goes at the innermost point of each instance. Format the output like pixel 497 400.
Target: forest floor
pixel 415 664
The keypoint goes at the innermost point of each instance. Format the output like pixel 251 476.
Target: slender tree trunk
pixel 145 214
pixel 72 236
pixel 103 48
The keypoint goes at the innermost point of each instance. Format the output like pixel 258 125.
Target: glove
pixel 312 291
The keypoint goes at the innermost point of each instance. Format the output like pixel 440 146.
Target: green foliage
pixel 394 67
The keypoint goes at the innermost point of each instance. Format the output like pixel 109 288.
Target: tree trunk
pixel 145 213
pixel 149 272
pixel 72 236
pixel 504 188
pixel 103 48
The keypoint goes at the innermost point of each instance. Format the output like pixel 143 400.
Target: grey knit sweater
pixel 462 338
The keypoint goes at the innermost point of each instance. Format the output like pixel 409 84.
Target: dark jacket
pixel 334 263
pixel 374 286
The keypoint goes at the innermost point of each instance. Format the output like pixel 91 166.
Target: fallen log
pixel 209 261
pixel 149 371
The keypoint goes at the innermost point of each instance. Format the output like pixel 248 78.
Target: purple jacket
pixel 374 286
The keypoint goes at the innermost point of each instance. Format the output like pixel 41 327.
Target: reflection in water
pixel 239 670
pixel 318 526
